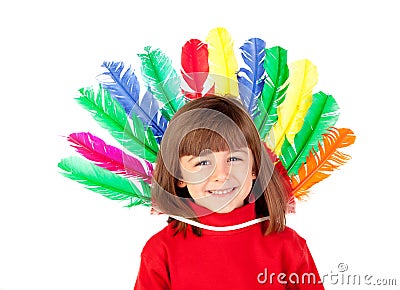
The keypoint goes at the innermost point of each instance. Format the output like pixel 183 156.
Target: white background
pixel 54 234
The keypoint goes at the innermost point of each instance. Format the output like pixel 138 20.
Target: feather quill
pixel 195 69
pixel 111 116
pixel 109 157
pixel 162 80
pixel 322 114
pixel 274 89
pixel 251 78
pixel 222 61
pixel 105 182
pixel 291 113
pixel 319 165
pixel 123 85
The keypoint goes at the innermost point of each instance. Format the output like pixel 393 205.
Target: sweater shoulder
pixel 291 233
pixel 156 240
pixel 157 244
pixel 289 237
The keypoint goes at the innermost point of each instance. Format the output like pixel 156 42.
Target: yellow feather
pixel 222 61
pixel 291 113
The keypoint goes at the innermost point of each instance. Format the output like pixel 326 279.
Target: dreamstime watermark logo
pixel 340 276
pixel 266 277
pixel 343 276
pixel 144 130
pixel 218 128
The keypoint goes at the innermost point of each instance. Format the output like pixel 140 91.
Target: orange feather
pixel 319 165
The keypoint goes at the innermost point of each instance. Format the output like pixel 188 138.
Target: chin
pixel 225 210
pixel 220 205
pixel 229 207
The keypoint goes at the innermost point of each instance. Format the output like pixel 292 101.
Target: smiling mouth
pixel 222 192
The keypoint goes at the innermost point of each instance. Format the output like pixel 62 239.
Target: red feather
pixel 195 69
pixel 110 157
pixel 286 181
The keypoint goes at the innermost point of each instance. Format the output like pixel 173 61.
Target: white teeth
pixel 221 191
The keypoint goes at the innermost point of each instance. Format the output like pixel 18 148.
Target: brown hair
pixel 216 123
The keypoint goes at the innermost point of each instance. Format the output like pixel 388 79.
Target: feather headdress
pixel 295 124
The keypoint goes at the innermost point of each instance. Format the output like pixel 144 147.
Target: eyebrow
pixel 193 157
pixel 233 152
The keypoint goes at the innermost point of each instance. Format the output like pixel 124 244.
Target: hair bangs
pixel 199 140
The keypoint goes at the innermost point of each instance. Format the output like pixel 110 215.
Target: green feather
pixel 162 79
pixel 322 114
pixel 274 90
pixel 112 117
pixel 105 182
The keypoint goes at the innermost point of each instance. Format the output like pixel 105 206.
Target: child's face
pixel 219 181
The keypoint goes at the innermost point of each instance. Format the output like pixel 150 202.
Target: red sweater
pixel 234 260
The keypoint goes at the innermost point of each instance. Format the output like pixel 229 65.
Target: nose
pixel 221 171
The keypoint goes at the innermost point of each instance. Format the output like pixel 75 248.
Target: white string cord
pixel 220 229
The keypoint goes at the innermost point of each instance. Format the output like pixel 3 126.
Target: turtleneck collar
pixel 237 216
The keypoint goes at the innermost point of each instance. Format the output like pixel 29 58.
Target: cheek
pixel 197 175
pixel 241 172
pixel 195 190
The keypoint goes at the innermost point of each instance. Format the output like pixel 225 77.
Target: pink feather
pixel 110 157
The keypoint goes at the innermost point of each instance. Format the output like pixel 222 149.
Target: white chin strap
pixel 220 229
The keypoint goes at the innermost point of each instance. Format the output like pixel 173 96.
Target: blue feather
pixel 251 79
pixel 158 122
pixel 123 85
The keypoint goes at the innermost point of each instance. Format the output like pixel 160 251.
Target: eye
pixel 202 163
pixel 234 159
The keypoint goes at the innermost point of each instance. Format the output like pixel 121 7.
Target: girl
pixel 226 207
